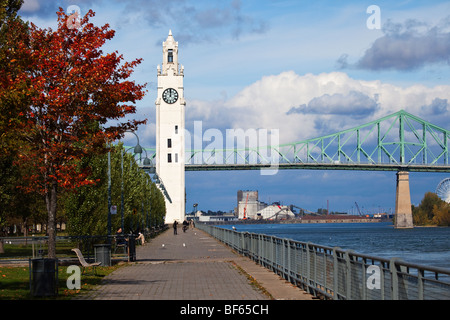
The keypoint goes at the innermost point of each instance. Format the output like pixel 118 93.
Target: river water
pixel 422 245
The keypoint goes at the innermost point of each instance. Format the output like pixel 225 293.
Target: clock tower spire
pixel 170 110
pixel 170 56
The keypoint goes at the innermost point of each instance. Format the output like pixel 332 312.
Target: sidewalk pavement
pixel 192 266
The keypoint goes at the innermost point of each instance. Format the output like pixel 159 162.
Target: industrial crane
pixel 357 207
pixel 245 208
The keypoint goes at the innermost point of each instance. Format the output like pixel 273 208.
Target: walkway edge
pixel 274 285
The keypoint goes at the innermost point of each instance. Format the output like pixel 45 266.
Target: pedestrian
pixel 175 223
pixel 185 225
pixel 141 237
pixel 120 238
pixel 120 241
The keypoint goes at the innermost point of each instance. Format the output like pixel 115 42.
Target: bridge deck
pixel 319 166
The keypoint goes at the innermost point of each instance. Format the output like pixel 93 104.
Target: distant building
pixel 216 218
pixel 275 212
pixel 248 204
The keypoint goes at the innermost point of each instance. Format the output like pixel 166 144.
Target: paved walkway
pixel 193 266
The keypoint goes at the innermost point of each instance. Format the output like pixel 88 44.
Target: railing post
pixel 394 278
pixel 259 248
pixel 348 275
pixel 382 277
pixel 364 280
pixel 308 264
pixel 288 267
pixel 420 276
pixel 314 270
pixel 335 273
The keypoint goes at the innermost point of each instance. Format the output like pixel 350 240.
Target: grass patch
pixel 15 283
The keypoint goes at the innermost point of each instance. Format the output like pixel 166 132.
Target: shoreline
pixel 334 220
pixel 306 219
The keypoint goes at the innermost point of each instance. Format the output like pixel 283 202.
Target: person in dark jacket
pixel 175 225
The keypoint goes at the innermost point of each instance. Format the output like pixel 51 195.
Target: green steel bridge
pixel 398 142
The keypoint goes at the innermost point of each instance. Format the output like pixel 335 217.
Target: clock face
pixel 170 95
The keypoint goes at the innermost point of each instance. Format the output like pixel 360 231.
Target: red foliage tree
pixel 79 96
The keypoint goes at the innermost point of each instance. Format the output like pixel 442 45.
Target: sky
pixel 305 68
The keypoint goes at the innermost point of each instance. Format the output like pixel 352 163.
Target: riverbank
pixel 306 219
pixel 332 219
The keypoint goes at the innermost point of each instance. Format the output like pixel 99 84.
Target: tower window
pixel 170 55
pixel 176 129
pixel 169 143
pixel 169 157
pixel 176 157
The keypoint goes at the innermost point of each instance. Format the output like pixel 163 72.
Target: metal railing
pixel 37 246
pixel 334 273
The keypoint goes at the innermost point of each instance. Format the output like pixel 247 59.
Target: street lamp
pixel 137 148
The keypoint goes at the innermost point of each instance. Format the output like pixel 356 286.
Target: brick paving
pixel 192 266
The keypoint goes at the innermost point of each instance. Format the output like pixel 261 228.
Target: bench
pixel 121 245
pixel 83 262
pixel 120 242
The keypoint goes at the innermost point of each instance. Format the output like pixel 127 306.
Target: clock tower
pixel 170 105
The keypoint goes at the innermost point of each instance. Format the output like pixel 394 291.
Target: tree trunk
pixel 51 199
pixel 25 233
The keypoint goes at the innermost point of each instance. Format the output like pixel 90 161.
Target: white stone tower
pixel 170 105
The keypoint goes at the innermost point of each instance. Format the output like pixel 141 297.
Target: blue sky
pixel 282 65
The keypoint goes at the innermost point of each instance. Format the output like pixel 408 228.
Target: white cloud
pixel 354 104
pixel 406 46
pixel 267 102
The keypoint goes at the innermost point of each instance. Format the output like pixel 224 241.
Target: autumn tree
pixel 14 98
pixel 13 101
pixel 441 214
pixel 78 99
pixel 431 210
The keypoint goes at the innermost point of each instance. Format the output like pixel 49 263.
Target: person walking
pixel 175 224
pixel 141 237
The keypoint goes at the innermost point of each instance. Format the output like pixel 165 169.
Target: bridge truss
pixel 400 141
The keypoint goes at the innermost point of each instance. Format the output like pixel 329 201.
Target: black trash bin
pixel 132 248
pixel 102 253
pixel 43 277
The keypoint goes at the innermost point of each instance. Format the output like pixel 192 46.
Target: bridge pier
pixel 403 213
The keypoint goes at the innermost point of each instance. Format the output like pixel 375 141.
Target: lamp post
pixel 121 190
pixel 194 209
pixel 109 197
pixel 137 150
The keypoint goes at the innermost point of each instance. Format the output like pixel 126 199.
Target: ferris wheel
pixel 443 190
